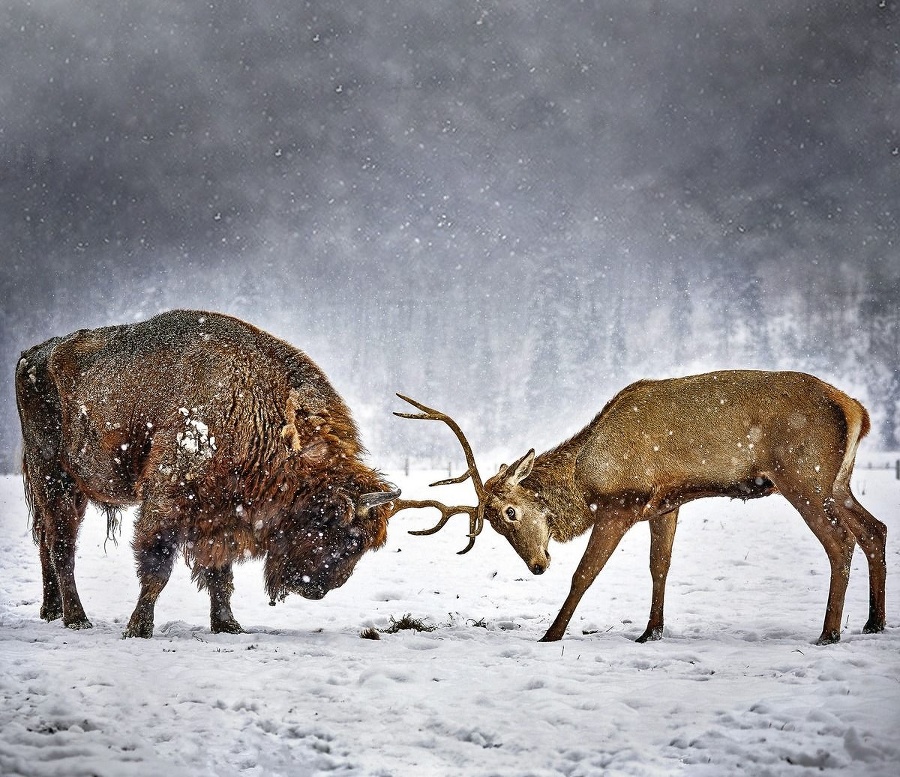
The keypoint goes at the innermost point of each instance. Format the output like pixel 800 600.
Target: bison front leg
pixel 662 537
pixel 605 536
pixel 154 552
pixel 220 584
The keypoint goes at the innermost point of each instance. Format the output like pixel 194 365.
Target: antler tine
pixel 430 414
pixel 476 524
pixel 447 512
pixel 475 512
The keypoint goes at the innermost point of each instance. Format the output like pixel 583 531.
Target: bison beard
pixel 321 550
pixel 232 442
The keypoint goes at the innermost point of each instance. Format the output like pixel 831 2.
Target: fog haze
pixel 508 210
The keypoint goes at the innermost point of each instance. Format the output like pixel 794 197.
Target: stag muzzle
pixel 539 565
pixel 367 501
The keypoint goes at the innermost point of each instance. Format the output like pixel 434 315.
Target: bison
pixel 232 442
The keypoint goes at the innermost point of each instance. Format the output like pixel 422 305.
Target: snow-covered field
pixel 736 683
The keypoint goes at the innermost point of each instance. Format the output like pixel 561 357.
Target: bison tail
pixel 29 504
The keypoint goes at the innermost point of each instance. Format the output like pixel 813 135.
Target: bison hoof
pixel 142 630
pixel 80 623
pixel 548 637
pixel 829 638
pixel 51 613
pixel 226 627
pixel 873 627
pixel 650 635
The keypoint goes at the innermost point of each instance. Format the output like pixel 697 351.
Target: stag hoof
pixel 829 638
pixel 650 635
pixel 230 626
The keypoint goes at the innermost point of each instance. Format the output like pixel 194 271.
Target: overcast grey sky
pixel 502 205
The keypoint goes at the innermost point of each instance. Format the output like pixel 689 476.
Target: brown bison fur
pixel 232 442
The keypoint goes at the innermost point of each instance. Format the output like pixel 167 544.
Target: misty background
pixel 507 210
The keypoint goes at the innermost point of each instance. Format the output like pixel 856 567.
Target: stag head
pixel 519 514
pixel 510 508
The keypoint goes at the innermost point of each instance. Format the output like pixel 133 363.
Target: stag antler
pixel 475 512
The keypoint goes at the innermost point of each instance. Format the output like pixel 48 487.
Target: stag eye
pixel 511 513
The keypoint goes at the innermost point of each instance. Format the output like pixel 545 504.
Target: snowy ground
pixel 736 682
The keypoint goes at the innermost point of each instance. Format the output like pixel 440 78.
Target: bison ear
pixel 520 469
pixel 315 451
pixel 292 406
pixel 290 437
pixel 307 400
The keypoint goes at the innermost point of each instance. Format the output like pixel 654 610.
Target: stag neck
pixel 552 480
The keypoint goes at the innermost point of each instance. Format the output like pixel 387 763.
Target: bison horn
pixel 367 501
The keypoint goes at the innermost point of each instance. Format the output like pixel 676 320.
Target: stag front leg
pixel 220 584
pixel 605 536
pixel 662 537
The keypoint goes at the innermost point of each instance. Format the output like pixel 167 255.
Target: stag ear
pixel 521 469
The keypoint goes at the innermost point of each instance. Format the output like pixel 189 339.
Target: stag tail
pixel 858 426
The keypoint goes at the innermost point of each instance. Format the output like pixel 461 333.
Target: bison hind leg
pixel 57 508
pixel 51 606
pixel 220 584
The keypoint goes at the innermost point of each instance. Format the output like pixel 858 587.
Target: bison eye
pixel 511 513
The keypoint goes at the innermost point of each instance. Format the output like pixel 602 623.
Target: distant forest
pixel 508 210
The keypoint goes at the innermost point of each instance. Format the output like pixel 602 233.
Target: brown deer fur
pixel 661 443
pixel 233 443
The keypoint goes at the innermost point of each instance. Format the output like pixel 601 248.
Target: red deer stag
pixel 661 443
pixel 233 443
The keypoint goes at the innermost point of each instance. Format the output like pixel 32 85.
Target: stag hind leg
pixel 220 584
pixel 837 540
pixel 871 534
pixel 662 537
